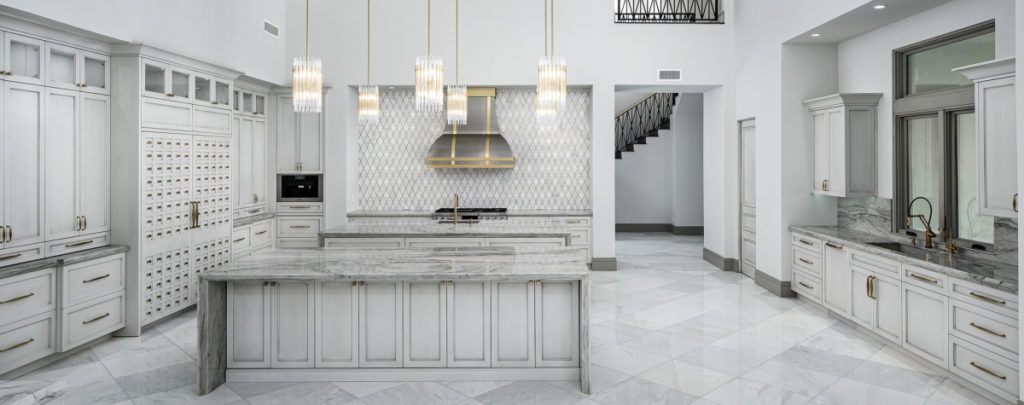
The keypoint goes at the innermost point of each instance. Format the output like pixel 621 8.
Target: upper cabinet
pixel 22 59
pixel 211 91
pixel 162 80
pixel 299 139
pixel 77 69
pixel 843 129
pixel 250 103
pixel 995 126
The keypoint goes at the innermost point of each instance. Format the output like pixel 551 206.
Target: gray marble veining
pixel 253 219
pixel 426 213
pixel 432 229
pixel 70 258
pixel 479 263
pixel 998 275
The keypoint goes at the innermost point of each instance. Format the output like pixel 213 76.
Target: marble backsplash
pixel 874 215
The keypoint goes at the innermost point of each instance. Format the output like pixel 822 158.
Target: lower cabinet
pixel 424 319
pixel 557 308
pixel 877 303
pixel 27 340
pixel 337 315
pixel 380 324
pixel 248 333
pixel 469 323
pixel 291 324
pixel 925 331
pixel 512 320
pixel 837 279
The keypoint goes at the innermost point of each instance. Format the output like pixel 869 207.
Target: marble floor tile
pixel 476 388
pixel 850 392
pixel 723 360
pixel 663 344
pixel 791 377
pixel 896 378
pixel 159 380
pixel 247 390
pixel 618 332
pixel 75 376
pixel 891 356
pixel 187 395
pixel 137 362
pixel 689 378
pixel 361 389
pixel 816 360
pixel 627 360
pixel 533 392
pixel 639 391
pixel 306 393
pixel 748 392
pixel 845 340
pixel 759 346
pixel 954 393
pixel 104 391
pixel 29 391
pixel 648 320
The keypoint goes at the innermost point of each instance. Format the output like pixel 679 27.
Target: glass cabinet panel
pixel 202 89
pixel 179 84
pixel 238 101
pixel 155 77
pixel 60 66
pixel 247 102
pixel 94 71
pixel 971 224
pixel 925 174
pixel 222 93
pixel 24 56
pixel 258 104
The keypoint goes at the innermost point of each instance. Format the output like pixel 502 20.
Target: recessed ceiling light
pixel 816 34
pixel 879 6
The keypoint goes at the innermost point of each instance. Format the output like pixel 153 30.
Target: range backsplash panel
pixel 553 161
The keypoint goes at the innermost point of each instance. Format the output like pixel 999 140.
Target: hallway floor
pixel 667 328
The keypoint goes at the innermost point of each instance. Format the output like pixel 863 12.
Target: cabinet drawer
pixel 443 242
pixel 71 245
pixel 298 243
pixel 999 374
pixel 211 120
pixel 804 260
pixel 527 244
pixel 1000 302
pixel 809 287
pixel 95 278
pixel 240 240
pixel 21 254
pixel 579 237
pixel 926 279
pixel 973 323
pixel 248 212
pixel 260 234
pixel 874 263
pixel 166 114
pixel 92 320
pixel 364 243
pixel 576 221
pixel 27 295
pixel 806 242
pixel 749 223
pixel 27 341
pixel 298 227
pixel 300 208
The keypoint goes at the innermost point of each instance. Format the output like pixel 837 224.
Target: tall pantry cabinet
pixel 171 176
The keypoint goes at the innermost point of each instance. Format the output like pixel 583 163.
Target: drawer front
pixel 240 240
pixel 874 263
pixel 926 279
pixel 71 245
pixel 93 320
pixel 248 212
pixel 806 242
pixel 27 295
pixel 300 208
pixel 164 114
pixel 991 299
pixel 95 278
pixel 443 242
pixel 260 234
pixel 364 243
pixel 21 254
pixel 804 260
pixel 576 221
pixel 749 223
pixel 579 237
pixel 298 227
pixel 27 341
pixel 972 323
pixel 807 286
pixel 527 244
pixel 298 243
pixel 211 120
pixel 1000 375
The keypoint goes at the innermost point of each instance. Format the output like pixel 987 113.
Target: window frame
pixel 901 56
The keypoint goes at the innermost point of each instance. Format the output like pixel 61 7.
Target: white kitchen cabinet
pixel 995 126
pixel 77 157
pixel 337 315
pixel 292 320
pixel 425 327
pixel 862 306
pixel 249 329
pixel 380 324
pixel 22 161
pixel 444 242
pixel 27 340
pixel 250 135
pixel 299 139
pixel 557 328
pixel 469 324
pixel 925 332
pixel 512 319
pixel 843 136
pixel 837 279
pixel 77 69
pixel 22 59
pixel 212 91
pixel 165 81
pixel 876 303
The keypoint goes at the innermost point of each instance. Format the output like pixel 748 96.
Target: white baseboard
pixel 264 375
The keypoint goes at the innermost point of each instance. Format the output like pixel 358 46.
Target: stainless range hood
pixel 476 145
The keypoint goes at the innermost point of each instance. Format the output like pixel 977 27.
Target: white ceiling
pixel 863 19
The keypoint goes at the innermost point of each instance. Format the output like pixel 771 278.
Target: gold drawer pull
pixel 96 279
pixel 925 279
pixel 806 242
pixel 8 257
pixel 987 330
pixel 987 298
pixel 300 207
pixel 254 211
pixel 572 221
pixel 17 345
pixel 805 285
pixel 239 240
pixel 805 261
pixel 17 298
pixel 987 371
pixel 575 236
pixel 829 244
pixel 77 244
pixel 261 232
pixel 96 318
pixel 299 226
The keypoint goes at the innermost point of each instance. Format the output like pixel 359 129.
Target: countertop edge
pixel 245 221
pixel 340 235
pixel 511 213
pixel 68 259
pixel 405 277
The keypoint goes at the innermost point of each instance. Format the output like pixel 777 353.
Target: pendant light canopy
pixel 551 73
pixel 369 95
pixel 457 102
pixel 307 79
pixel 429 78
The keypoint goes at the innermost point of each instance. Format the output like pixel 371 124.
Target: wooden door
pixel 997 156
pixel 924 330
pixel 819 127
pixel 287 136
pixel 557 330
pixel 837 147
pixel 310 139
pixel 259 161
pixel 337 318
pixel 244 194
pixel 837 281
pixel 469 324
pixel 748 210
pixel 862 307
pixel 889 308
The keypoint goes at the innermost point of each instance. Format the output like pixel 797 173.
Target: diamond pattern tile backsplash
pixel 552 160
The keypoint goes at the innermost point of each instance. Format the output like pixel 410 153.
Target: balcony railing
pixel 669 12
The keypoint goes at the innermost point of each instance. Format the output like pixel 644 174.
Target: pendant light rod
pixel 306 54
pixel 367 41
pixel 546 28
pixel 456 41
pixel 552 28
pixel 428 27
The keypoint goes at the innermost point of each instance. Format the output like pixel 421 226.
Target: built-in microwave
pixel 299 187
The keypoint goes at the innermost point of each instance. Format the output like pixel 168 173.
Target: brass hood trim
pixel 476 145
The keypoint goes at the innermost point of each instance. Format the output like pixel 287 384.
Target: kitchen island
pixel 428 314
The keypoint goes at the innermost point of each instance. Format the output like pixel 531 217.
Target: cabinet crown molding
pixel 838 99
pixel 992 69
pixel 150 52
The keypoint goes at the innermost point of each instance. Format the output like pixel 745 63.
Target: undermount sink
pixel 893 246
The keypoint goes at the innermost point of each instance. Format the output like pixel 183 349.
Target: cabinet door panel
pixel 749 165
pixel 469 324
pixel 60 177
pixel 23 162
pixel 243 197
pixel 819 123
pixel 380 324
pixel 309 142
pixel 259 161
pixel 95 72
pixel 292 325
pixel 996 153
pixel 248 325
pixel 837 280
pixel 287 137
pixel 62 66
pixel 512 320
pixel 425 332
pixel 889 313
pixel 337 315
pixel 557 324
pixel 23 57
pixel 94 162
pixel 925 330
pixel 837 146
pixel 862 306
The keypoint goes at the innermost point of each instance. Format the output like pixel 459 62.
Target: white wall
pixel 865 61
pixel 228 33
pixel 688 162
pixel 1018 47
pixel 501 41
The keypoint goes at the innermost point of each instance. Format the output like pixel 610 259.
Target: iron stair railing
pixel 669 12
pixel 642 120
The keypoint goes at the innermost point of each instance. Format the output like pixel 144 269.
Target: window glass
pixel 971 224
pixel 930 69
pixel 924 170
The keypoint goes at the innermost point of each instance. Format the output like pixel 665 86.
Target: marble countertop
pixel 70 258
pixel 1000 276
pixel 483 229
pixel 240 222
pixel 480 263
pixel 511 213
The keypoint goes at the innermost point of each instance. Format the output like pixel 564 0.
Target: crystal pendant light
pixel 429 78
pixel 551 73
pixel 369 95
pixel 457 102
pixel 307 79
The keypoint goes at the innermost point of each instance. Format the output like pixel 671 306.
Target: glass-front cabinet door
pixel 259 104
pixel 23 59
pixel 222 93
pixel 165 81
pixel 203 90
pixel 95 72
pixel 180 84
pixel 62 67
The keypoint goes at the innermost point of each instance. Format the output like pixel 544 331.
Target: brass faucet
pixel 928 233
pixel 455 209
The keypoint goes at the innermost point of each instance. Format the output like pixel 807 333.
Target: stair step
pixel 628 148
pixel 641 141
pixel 653 133
pixel 618 155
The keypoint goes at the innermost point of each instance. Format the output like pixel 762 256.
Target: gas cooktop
pixel 470 214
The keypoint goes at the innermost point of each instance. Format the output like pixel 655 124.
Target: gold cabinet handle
pixel 805 261
pixel 15 299
pixel 529 282
pixel 96 278
pixel 833 246
pixel 298 207
pixel 572 221
pixel 85 222
pixel 261 232
pixel 17 345
pixel 987 371
pixel 254 211
pixel 9 257
pixel 806 242
pixel 867 287
pixel 96 318
pixel 10 233
pixel 1015 202
pixel 239 240
pixel 77 244
pixel 805 285
pixel 355 283
pixel 298 226
pixel 925 279
pixel 987 330
pixel 987 298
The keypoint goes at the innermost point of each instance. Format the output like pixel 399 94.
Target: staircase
pixel 644 119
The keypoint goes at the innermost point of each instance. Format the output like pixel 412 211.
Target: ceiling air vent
pixel 271 29
pixel 670 75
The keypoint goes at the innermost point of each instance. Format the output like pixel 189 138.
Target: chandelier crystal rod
pixel 307 78
pixel 429 75
pixel 457 97
pixel 369 95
